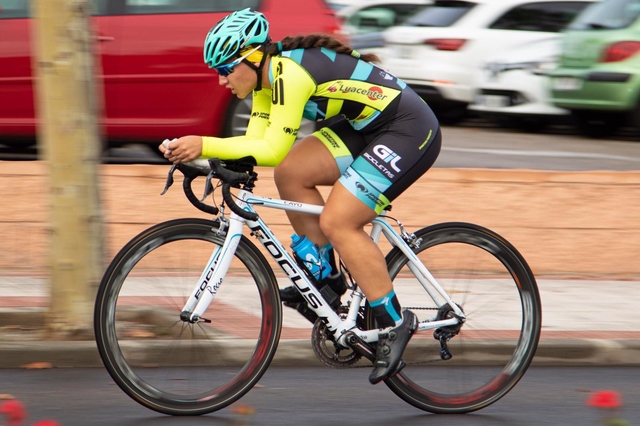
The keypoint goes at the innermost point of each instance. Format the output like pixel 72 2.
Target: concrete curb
pixel 299 353
pixel 24 345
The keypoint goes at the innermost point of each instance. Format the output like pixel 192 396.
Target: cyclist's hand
pixel 182 150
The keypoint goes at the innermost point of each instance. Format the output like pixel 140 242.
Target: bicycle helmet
pixel 236 31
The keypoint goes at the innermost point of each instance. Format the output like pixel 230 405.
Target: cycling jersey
pixel 318 84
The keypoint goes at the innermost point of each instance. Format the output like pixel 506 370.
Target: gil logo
pixel 387 156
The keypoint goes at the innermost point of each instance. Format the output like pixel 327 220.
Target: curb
pixel 298 353
pixel 25 346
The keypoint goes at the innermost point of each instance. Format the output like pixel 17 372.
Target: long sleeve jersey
pixel 316 84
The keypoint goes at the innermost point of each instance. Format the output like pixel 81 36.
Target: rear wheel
pixel 491 282
pixel 175 366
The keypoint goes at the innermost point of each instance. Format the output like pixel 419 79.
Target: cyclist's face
pixel 241 81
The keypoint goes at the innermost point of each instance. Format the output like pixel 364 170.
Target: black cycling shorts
pixel 380 164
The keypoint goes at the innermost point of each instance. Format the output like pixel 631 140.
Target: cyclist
pixel 387 137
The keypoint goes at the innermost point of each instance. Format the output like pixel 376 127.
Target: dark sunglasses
pixel 226 69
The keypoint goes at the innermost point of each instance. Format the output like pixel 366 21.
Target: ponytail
pixel 318 40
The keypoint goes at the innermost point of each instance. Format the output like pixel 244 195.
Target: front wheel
pixel 174 366
pixel 492 283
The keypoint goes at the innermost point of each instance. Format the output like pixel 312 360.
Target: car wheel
pixel 597 124
pixel 238 116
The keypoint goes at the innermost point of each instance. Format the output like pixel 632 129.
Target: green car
pixel 598 75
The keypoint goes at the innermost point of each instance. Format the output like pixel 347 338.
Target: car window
pixel 544 16
pixel 11 9
pixel 380 17
pixel 440 14
pixel 145 7
pixel 607 14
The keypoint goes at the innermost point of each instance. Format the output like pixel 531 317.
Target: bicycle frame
pixel 220 260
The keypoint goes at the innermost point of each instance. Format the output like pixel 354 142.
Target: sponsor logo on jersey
pixel 386 76
pixel 264 115
pixel 329 138
pixel 374 92
pixel 387 156
pixel 290 131
pixel 361 187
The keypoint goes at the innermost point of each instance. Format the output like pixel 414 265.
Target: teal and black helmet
pixel 232 34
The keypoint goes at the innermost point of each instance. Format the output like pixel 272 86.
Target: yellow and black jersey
pixel 388 139
pixel 315 84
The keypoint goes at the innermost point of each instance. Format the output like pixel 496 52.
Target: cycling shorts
pixel 380 164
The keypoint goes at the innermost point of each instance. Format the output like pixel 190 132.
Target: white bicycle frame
pixel 218 265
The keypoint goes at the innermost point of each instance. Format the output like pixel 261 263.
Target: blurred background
pixel 523 64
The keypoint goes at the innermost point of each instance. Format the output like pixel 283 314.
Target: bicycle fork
pixel 213 274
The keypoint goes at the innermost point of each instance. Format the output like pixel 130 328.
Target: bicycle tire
pixel 176 367
pixel 484 274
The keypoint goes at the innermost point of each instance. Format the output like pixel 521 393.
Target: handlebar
pixel 235 173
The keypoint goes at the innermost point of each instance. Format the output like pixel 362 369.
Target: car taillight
pixel 620 51
pixel 446 43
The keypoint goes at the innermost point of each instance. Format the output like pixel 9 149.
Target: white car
pixel 514 85
pixel 439 51
pixel 363 23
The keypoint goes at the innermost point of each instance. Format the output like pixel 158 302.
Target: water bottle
pixel 317 265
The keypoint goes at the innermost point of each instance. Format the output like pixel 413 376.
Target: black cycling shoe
pixel 290 295
pixel 391 345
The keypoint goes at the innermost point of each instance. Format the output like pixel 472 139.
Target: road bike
pixel 188 315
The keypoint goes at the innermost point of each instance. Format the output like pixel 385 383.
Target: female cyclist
pixel 386 139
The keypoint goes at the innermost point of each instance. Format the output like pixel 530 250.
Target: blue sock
pixel 387 310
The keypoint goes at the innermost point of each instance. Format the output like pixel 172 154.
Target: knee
pixel 331 226
pixel 285 173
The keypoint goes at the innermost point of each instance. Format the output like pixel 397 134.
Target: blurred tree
pixel 68 136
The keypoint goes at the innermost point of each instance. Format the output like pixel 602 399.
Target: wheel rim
pixel 177 367
pixel 494 346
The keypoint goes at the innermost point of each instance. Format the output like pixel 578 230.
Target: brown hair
pixel 318 40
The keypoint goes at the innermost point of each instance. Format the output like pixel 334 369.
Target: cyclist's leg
pixel 305 167
pixel 317 160
pixel 397 156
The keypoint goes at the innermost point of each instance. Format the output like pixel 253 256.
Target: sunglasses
pixel 226 69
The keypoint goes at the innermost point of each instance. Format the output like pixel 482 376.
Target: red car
pixel 155 82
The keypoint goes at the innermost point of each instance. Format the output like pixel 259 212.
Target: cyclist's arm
pixel 275 119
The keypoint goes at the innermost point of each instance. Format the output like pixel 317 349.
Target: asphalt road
pixel 473 144
pixel 322 396
pixel 557 148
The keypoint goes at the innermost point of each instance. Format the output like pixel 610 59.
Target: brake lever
pixel 208 186
pixel 169 179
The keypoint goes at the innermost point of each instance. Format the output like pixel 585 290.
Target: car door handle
pixel 105 38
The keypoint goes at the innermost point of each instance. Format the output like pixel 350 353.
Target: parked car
pixel 598 77
pixel 513 87
pixel 341 4
pixel 155 82
pixel 440 50
pixel 363 23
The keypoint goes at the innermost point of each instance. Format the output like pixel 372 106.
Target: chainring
pixel 328 351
